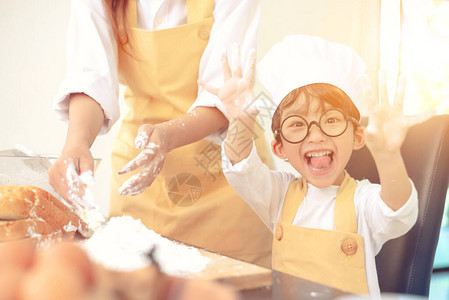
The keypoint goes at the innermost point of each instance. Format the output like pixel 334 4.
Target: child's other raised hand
pixel 388 125
pixel 236 93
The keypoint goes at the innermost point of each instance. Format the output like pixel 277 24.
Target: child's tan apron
pixel 190 200
pixel 331 257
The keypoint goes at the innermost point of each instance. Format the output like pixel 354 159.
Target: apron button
pixel 204 33
pixel 349 246
pixel 279 232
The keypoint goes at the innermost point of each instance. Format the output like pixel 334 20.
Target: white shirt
pixel 92 50
pixel 264 190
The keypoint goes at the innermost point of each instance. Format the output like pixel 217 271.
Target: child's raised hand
pixel 236 93
pixel 387 123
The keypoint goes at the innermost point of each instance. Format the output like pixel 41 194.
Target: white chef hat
pixel 300 60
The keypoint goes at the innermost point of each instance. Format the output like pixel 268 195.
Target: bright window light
pixel 415 40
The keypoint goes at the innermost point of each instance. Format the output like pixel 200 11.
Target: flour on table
pixel 123 242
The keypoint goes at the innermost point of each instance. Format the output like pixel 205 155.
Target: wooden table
pixel 239 274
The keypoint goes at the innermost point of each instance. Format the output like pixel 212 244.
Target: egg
pixel 52 283
pixel 20 253
pixel 10 282
pixel 62 271
pixel 68 255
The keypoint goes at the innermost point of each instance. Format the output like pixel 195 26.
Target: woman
pixel 159 49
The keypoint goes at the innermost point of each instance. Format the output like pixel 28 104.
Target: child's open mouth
pixel 319 161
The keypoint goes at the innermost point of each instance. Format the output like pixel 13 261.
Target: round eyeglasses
pixel 333 122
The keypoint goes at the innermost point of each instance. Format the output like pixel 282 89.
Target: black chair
pixel 405 264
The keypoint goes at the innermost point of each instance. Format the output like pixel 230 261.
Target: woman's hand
pixel 75 166
pixel 152 140
pixel 237 90
pixel 388 125
pixel 69 174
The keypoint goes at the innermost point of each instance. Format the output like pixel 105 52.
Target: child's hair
pixel 325 92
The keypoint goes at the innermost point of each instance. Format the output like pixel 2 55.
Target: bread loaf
pixel 19 229
pixel 15 203
pixel 45 240
pixel 28 211
pixel 75 220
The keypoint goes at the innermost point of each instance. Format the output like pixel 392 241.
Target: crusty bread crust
pixel 46 240
pixel 75 220
pixel 33 207
pixel 15 203
pixel 19 229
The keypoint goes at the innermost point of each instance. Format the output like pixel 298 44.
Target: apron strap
pixel 293 199
pixel 198 10
pixel 345 217
pixel 131 13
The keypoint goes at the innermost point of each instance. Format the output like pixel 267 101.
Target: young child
pixel 327 226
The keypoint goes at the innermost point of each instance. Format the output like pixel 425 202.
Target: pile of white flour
pixel 123 242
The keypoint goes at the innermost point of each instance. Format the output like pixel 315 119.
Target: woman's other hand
pixel 152 140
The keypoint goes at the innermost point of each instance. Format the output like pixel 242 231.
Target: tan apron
pixel 331 257
pixel 190 200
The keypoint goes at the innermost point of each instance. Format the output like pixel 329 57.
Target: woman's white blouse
pixel 92 50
